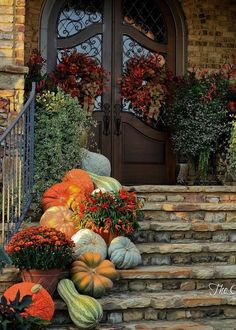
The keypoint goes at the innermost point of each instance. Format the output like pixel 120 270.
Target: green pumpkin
pixel 86 312
pixel 105 182
pixel 123 253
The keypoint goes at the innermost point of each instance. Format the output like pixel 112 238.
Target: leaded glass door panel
pixel 113 31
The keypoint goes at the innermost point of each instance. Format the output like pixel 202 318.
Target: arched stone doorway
pixel 113 31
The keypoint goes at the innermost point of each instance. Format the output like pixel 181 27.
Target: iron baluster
pixel 17 148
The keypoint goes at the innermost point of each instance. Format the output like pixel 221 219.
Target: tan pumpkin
pixel 92 275
pixel 60 218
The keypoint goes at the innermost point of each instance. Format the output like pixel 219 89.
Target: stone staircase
pixel 187 279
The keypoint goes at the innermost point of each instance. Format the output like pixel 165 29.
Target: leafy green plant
pixel 60 130
pixel 231 155
pixel 12 315
pixel 117 212
pixel 199 117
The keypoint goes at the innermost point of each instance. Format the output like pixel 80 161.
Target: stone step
pixel 150 189
pixel 188 207
pixel 186 194
pixel 201 271
pixel 170 306
pixel 191 216
pixel 183 253
pixel 185 278
pixel 171 232
pixel 207 324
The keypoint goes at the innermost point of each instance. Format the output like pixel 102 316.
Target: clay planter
pixel 106 235
pixel 47 278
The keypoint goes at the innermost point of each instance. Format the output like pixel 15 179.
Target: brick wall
pixel 211 32
pixel 12 70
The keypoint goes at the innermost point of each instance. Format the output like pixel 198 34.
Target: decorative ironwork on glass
pixel 132 48
pixel 91 47
pixel 76 15
pixel 146 17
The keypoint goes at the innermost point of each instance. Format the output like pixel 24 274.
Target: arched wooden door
pixel 113 31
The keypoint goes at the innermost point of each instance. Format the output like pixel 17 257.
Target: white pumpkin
pixel 123 253
pixel 88 241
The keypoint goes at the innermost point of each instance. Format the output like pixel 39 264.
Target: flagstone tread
pixel 9 274
pixel 180 189
pixel 182 226
pixel 193 247
pixel 160 300
pixel 202 271
pixel 146 325
pixel 188 207
pixel 219 324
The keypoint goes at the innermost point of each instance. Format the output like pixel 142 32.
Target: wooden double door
pixel 113 31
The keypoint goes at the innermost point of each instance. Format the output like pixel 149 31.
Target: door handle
pixel 106 119
pixel 117 119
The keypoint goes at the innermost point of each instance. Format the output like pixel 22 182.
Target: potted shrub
pixel 110 214
pixel 198 116
pixel 41 254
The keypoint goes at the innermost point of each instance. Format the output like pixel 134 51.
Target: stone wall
pixel 12 70
pixel 211 39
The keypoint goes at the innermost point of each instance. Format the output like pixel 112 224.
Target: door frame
pixel 175 7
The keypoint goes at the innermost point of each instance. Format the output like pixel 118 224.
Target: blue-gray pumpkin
pixel 123 253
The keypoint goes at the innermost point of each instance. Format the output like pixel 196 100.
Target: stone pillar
pixel 12 70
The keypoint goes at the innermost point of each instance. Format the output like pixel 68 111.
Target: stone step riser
pixel 157 285
pixel 188 258
pixel 152 314
pixel 191 216
pixel 149 236
pixel 181 197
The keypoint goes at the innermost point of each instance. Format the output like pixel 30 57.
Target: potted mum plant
pixel 110 214
pixel 41 254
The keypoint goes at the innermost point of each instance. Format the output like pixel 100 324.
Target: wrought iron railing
pixel 16 168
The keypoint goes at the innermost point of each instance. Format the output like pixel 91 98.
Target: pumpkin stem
pixel 36 288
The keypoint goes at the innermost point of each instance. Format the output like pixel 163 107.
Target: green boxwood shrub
pixel 61 128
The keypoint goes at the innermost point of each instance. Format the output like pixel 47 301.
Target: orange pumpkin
pixel 42 305
pixel 81 178
pixel 61 194
pixel 60 218
pixel 91 275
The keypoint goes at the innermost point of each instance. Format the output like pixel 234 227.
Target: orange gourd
pixel 80 178
pixel 42 305
pixel 60 218
pixel 91 275
pixel 61 194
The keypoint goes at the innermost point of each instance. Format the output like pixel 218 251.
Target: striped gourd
pixel 105 182
pixel 86 312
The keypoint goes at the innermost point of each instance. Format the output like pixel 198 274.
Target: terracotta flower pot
pixel 47 278
pixel 106 235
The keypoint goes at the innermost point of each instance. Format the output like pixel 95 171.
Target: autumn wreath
pixel 143 86
pixel 80 76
